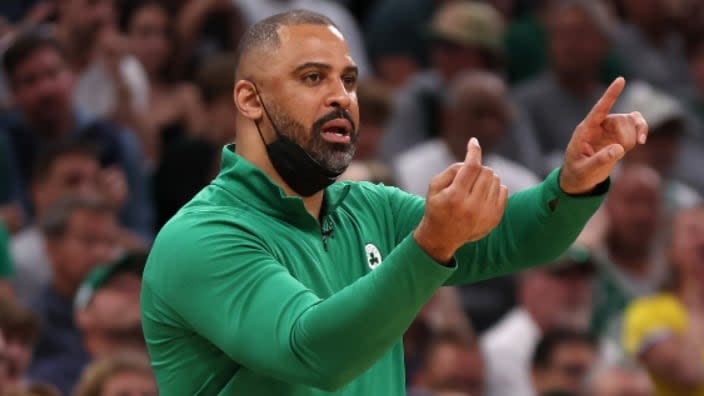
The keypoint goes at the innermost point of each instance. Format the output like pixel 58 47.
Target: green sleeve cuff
pixel 559 201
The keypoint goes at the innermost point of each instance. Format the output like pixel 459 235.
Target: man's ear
pixel 247 100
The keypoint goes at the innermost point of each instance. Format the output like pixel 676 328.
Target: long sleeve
pixel 230 290
pixel 538 225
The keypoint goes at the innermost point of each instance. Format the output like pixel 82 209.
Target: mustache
pixel 334 115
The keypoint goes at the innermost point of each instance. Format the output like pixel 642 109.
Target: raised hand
pixel 464 203
pixel 599 142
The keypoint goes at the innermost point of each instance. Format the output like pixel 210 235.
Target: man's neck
pixel 63 289
pixel 691 293
pixel 633 261
pixel 55 129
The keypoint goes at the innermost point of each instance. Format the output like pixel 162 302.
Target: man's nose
pixel 339 96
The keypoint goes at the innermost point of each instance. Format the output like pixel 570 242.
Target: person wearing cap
pixel 462 36
pixel 276 279
pixel 549 297
pixel 669 125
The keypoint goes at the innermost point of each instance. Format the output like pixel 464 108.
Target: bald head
pixel 263 37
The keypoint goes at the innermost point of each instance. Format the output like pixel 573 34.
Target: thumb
pixel 607 156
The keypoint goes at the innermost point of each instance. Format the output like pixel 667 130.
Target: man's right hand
pixel 464 203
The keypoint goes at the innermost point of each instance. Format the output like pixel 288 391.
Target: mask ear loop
pixel 256 124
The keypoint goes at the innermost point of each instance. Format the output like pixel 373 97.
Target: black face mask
pixel 297 168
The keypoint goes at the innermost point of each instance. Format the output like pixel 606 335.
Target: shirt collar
pixel 249 184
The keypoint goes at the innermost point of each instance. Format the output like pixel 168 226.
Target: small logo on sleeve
pixel 373 255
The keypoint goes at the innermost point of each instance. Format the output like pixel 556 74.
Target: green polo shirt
pixel 245 293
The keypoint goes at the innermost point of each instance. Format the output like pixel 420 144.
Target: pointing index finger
pixel 602 108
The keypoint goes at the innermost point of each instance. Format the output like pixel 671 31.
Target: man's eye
pixel 350 81
pixel 312 78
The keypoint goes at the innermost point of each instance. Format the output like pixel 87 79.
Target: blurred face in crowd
pixel 558 300
pixel 86 18
pixel 42 87
pixel 313 65
pixel 567 370
pixel 617 382
pixel 450 59
pixel 111 321
pixel 633 207
pixel 148 33
pixel 454 368
pixel 19 353
pixel 687 245
pixel 89 240
pixel 577 47
pixel 482 111
pixel 71 174
pixel 130 383
pixel 647 14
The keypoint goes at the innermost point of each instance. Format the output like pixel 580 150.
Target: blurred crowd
pixel 113 114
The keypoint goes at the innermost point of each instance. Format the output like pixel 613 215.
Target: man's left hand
pixel 599 142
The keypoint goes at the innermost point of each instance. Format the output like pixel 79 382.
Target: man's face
pixel 576 45
pixel 87 17
pixel 149 37
pixel 309 90
pixel 90 239
pixel 687 246
pixel 130 384
pixel 483 113
pixel 569 365
pixel 42 85
pixel 72 174
pixel 453 368
pixel 634 208
pixel 19 353
pixel 564 300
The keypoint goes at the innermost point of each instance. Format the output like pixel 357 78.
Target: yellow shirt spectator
pixel 653 319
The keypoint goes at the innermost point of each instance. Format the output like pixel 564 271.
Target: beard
pixel 334 157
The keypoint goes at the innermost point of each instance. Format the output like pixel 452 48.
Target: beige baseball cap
pixel 469 23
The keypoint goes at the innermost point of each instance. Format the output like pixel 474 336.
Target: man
pixel 549 298
pixel 477 105
pixel 71 169
pixel 451 364
pixel 80 234
pixel 107 307
pixel 42 84
pixel 562 361
pixel 273 280
pixel 578 45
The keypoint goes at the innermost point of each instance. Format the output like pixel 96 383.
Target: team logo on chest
pixel 373 255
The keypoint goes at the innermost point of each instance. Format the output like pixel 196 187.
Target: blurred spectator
pixel 452 365
pixel 110 83
pixel 176 181
pixel 21 330
pixel 650 47
pixel 477 106
pixel 256 10
pixel 80 234
pixel 442 314
pixel 695 58
pixel 374 97
pixel 33 390
pixel 107 307
pixel 42 83
pixel 173 108
pixel 630 257
pixel 70 169
pixel 550 297
pixel 562 361
pixel 465 36
pixel 527 48
pixel 577 42
pixel 7 268
pixel 394 36
pixel 619 380
pixel 118 375
pixel 667 125
pixel 665 331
